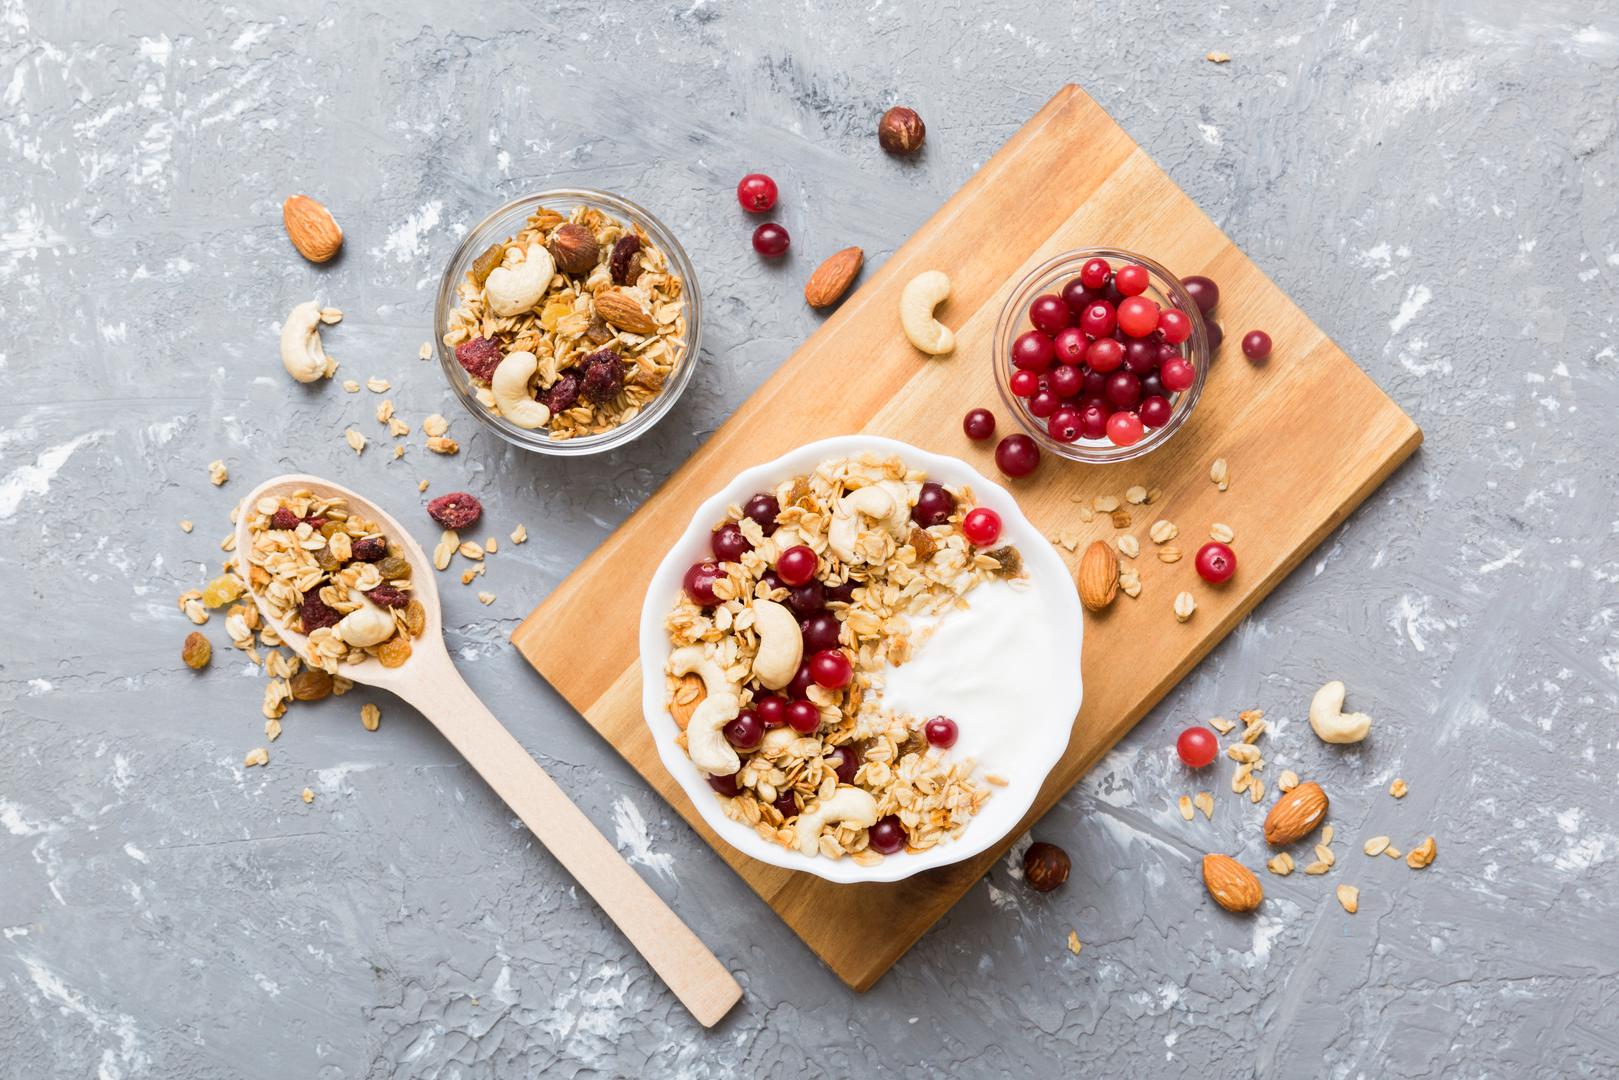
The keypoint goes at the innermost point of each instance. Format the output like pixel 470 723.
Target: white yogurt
pixel 987 668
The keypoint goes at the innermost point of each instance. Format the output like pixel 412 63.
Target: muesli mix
pixel 570 326
pixel 779 643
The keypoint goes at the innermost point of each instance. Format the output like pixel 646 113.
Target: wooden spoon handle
pixel 684 963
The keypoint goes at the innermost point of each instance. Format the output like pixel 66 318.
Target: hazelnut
pixel 1045 866
pixel 196 652
pixel 901 131
pixel 574 248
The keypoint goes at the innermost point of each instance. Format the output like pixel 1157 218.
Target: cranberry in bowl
pixel 1134 335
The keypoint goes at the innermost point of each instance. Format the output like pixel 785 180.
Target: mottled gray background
pixel 1434 183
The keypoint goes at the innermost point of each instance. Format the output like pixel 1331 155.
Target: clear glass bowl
pixel 1051 276
pixel 507 221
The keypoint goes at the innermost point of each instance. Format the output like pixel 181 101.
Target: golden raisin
pixel 221 591
pixel 415 618
pixel 485 264
pixel 196 651
pixel 393 567
pixel 394 652
pixel 311 684
pixel 332 527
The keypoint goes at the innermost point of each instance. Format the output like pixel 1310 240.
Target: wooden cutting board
pixel 1307 437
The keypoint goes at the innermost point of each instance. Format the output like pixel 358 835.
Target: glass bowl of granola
pixel 568 321
pixel 861 661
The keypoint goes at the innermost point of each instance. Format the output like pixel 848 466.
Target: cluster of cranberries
pixel 757 194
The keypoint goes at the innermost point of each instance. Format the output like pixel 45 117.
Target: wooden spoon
pixel 430 682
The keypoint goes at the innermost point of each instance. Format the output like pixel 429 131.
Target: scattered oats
pixel 1398 788
pixel 1084 513
pixel 1220 473
pixel 1256 790
pixel 1326 834
pixel 435 425
pixel 1281 865
pixel 1376 845
pixel 486 598
pixel 1204 802
pixel 1317 868
pixel 1393 852
pixel 1129 546
pixel 1222 725
pixel 217 473
pixel 399 451
pixel 470 550
pixel 1218 58
pixel 1185 804
pixel 1169 554
pixel 1184 606
pixel 421 485
pixel 370 716
pixel 1154 495
pixel 1221 532
pixel 308 796
pixel 1254 724
pixel 489 546
pixel 1324 854
pixel 426 351
pixel 1288 780
pixel 1349 897
pixel 1163 531
pixel 257 756
pixel 1241 779
pixel 272 729
pixel 1421 855
pixel 355 440
pixel 185 525
pixel 1066 539
pixel 397 427
pixel 440 444
pixel 519 534
pixel 472 574
pixel 195 611
pixel 330 315
pixel 1073 943
pixel 996 779
pixel 1135 495
pixel 1106 503
pixel 1121 519
pixel 228 543
pixel 1130 582
pixel 1243 752
pixel 377 385
pixel 385 410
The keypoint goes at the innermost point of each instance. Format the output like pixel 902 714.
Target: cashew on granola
pixel 887 503
pixel 1330 722
pixel 366 625
pixel 705 742
pixel 781 645
pixel 301 351
pixel 514 290
pixel 846 806
pixel 509 385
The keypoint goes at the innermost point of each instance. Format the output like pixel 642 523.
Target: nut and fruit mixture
pixel 780 640
pixel 334 577
pixel 606 327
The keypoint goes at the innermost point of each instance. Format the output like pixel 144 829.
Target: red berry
pixel 803 717
pixel 887 837
pixel 699 583
pixel 1098 320
pixel 1032 351
pixel 456 510
pixel 772 710
pixel 1204 292
pixel 981 526
pixel 480 356
pixel 831 669
pixel 746 731
pixel 771 240
pixel 1078 297
pixel 1138 316
pixel 1198 747
pixel 389 596
pixel 763 508
pixel 1155 411
pixel 806 599
pixel 1124 428
pixel 845 761
pixel 820 631
pixel 796 565
pixel 942 732
pixel 1123 390
pixel 1070 345
pixel 786 805
pixel 1065 425
pixel 1093 421
pixel 725 785
pixel 1065 381
pixel 316 613
pixel 1095 273
pixel 728 543
pixel 1044 404
pixel 1104 355
pixel 1024 383
pixel 1178 374
pixel 1216 335
pixel 1017 455
pixel 1132 280
pixel 979 424
pixel 756 192
pixel 934 505
pixel 283 520
pixel 1176 325
pixel 1049 314
pixel 799 687
pixel 1216 562
pixel 1256 345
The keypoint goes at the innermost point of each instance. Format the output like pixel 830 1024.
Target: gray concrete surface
pixel 1434 183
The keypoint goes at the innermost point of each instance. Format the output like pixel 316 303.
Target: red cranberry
pixel 1099 319
pixel 771 710
pixel 1178 374
pixel 1167 352
pixel 771 580
pixel 845 762
pixel 728 543
pixel 887 837
pixel 1065 425
pixel 1032 351
pixel 1093 421
pixel 756 192
pixel 725 785
pixel 1111 293
pixel 1256 345
pixel 831 669
pixel 1049 314
pixel 796 565
pixel 771 240
pixel 1095 384
pixel 1152 386
pixel 1070 345
pixel 1155 411
pixel 1176 325
pixel 820 631
pixel 1216 335
pixel 803 717
pixel 1124 428
pixel 1095 273
pixel 1132 280
pixel 1123 390
pixel 982 526
pixel 799 687
pixel 806 599
pixel 699 582
pixel 1025 383
pixel 1017 455
pixel 1065 381
pixel 1078 297
pixel 1138 316
pixel 746 731
pixel 942 732
pixel 934 505
pixel 1215 562
pixel 842 592
pixel 786 805
pixel 1198 747
pixel 1140 355
pixel 979 424
pixel 1104 355
pixel 1204 292
pixel 1043 404
pixel 763 509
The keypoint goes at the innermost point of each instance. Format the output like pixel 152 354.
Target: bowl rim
pixel 1039 280
pixel 477 238
pixel 1038 554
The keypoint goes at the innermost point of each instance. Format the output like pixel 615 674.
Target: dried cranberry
pixel 480 356
pixel 315 522
pixel 624 251
pixel 456 510
pixel 563 394
pixel 370 548
pixel 316 613
pixel 604 376
pixel 283 519
pixel 388 596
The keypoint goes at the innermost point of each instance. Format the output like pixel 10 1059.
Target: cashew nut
pixel 367 624
pixel 510 387
pixel 301 351
pixel 1330 722
pixel 922 294
pixel 847 805
pixel 781 645
pixel 777 740
pixel 514 290
pixel 705 742
pixel 887 502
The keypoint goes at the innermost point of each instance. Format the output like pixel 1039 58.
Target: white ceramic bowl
pixel 1049 726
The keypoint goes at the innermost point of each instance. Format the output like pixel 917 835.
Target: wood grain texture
pixel 1307 438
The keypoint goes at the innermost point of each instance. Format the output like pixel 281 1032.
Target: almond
pixel 1296 814
pixel 833 277
pixel 1233 886
pixel 686 699
pixel 622 310
pixel 1098 576
pixel 311 228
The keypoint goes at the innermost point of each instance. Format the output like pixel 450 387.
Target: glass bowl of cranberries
pixel 605 369
pixel 1101 355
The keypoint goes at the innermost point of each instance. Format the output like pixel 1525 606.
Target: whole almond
pixel 311 228
pixel 1098 576
pixel 624 311
pixel 686 699
pixel 833 278
pixel 1296 814
pixel 1233 886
